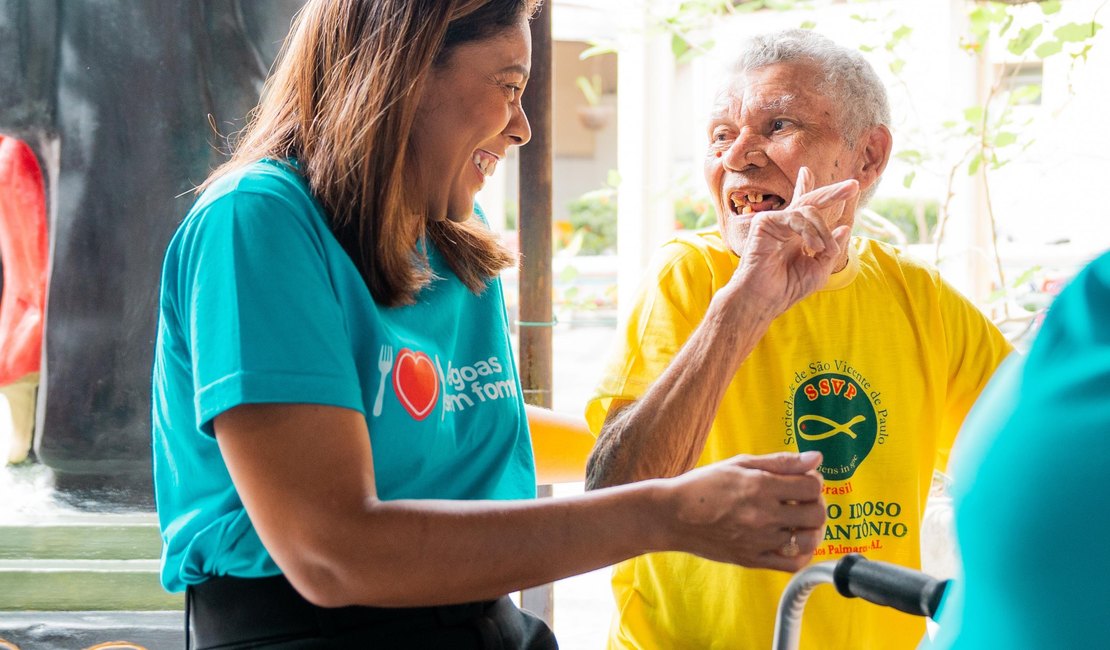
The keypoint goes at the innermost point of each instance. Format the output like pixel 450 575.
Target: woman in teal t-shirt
pixel 341 451
pixel 1030 492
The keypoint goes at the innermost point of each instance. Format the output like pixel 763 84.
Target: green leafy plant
pixel 593 220
pixel 992 128
pixel 913 219
pixel 693 213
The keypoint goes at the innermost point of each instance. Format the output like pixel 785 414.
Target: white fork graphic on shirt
pixel 385 365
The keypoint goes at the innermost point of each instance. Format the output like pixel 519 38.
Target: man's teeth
pixel 743 204
pixel 484 164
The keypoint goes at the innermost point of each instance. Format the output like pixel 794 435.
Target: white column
pixel 966 248
pixel 645 211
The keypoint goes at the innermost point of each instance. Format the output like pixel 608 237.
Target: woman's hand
pixel 305 475
pixel 787 254
pixel 746 510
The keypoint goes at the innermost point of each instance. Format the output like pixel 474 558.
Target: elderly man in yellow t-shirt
pixel 759 337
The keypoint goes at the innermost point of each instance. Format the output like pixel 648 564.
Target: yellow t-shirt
pixel 877 371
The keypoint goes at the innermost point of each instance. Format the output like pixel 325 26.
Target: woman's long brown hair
pixel 342 101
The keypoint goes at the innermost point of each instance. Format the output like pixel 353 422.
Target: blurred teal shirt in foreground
pixel 1031 491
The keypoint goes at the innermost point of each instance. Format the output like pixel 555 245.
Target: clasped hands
pixel 763 512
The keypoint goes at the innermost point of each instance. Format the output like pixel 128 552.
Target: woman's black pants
pixel 236 613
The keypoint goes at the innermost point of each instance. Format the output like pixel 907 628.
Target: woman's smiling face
pixel 468 116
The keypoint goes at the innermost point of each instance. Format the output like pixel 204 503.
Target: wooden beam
pixel 535 221
pixel 536 314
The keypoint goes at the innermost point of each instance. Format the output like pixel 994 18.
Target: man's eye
pixel 720 136
pixel 778 125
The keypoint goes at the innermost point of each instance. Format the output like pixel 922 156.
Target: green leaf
pixel 1048 48
pixel 1050 7
pixel 1006 25
pixel 907 180
pixel 979 21
pixel 911 156
pixel 896 65
pixel 568 274
pixel 861 18
pixel 1082 54
pixel 597 48
pixel 1025 94
pixel 973 166
pixel 679 46
pixel 613 178
pixel 1076 32
pixel 867 48
pixel 974 114
pixel 1026 276
pixel 1004 139
pixel 982 17
pixel 1024 39
pixel 949 124
pixel 901 32
pixel 807 24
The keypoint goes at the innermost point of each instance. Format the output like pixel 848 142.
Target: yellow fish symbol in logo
pixel 834 427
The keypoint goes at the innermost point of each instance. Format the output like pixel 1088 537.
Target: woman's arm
pixel 305 475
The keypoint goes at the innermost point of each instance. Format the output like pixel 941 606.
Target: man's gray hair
pixel 849 79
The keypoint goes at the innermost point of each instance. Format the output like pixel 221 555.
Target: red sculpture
pixel 23 250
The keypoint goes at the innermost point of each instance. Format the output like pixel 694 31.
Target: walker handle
pixel 888 584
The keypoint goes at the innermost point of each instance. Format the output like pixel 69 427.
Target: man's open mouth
pixel 748 202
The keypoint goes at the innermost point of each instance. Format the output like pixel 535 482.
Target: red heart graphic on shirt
pixel 416 383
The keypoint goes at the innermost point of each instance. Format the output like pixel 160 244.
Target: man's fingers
pixel 814 231
pixel 782 462
pixel 803 185
pixel 805 222
pixel 826 196
pixel 840 236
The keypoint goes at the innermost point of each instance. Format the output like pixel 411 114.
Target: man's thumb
pixel 784 462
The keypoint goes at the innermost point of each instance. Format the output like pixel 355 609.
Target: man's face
pixel 765 126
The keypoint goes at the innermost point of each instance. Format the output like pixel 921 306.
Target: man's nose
pixel 748 150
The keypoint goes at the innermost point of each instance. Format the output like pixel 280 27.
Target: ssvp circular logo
pixel 834 416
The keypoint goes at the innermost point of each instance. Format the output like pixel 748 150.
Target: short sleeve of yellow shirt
pixel 877 371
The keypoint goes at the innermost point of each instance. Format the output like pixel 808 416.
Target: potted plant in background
pixel 593 115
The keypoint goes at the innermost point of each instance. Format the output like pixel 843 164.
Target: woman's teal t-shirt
pixel 1030 492
pixel 261 304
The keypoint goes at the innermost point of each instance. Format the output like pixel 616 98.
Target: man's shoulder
pixel 895 263
pixel 693 255
pixel 705 245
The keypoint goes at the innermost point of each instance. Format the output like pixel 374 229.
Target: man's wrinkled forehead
pixel 741 92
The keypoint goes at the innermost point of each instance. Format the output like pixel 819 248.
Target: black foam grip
pixel 882 583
